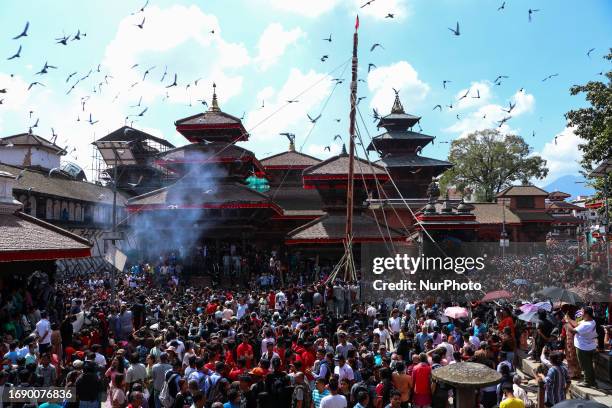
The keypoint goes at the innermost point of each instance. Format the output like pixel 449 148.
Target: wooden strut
pixel 349 266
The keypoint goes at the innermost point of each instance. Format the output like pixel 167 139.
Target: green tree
pixel 485 162
pixel 593 124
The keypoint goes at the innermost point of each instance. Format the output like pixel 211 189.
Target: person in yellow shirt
pixel 510 401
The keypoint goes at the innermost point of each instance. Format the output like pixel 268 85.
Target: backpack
pixel 165 398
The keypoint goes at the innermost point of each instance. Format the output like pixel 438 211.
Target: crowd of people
pixel 281 344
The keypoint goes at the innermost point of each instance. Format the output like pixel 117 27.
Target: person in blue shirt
pixel 479 327
pixel 422 337
pixel 12 354
pixel 234 400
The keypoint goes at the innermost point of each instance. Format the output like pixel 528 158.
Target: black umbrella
pixel 561 295
pixel 579 403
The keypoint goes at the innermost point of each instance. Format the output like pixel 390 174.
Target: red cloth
pixel 421 378
pixel 243 350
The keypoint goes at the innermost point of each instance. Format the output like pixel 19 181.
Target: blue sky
pixel 264 52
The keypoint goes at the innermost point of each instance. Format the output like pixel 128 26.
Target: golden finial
pixel 214 106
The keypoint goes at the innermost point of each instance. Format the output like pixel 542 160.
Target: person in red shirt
pixel 308 356
pixel 506 321
pixel 245 350
pixel 271 300
pixel 421 380
pixel 239 370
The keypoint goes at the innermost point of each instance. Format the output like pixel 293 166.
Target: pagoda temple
pixel 399 148
pixel 210 195
pixel 330 179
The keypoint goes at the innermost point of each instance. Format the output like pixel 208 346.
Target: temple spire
pixel 397 104
pixel 214 106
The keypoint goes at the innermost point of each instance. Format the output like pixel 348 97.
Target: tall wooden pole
pixel 349 190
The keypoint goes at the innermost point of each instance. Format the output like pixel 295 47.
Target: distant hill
pixel 568 184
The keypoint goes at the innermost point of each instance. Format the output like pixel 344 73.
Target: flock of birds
pixel 98 80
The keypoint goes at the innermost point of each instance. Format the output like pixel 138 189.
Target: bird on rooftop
pixel 23 33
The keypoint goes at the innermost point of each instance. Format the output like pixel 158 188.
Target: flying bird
pixel 70 76
pixel 165 73
pixel 143 112
pixel 24 33
pixel 16 55
pixel 138 104
pixel 503 6
pixel 531 11
pixel 313 120
pixel 360 99
pixel 589 52
pixel 375 114
pixel 556 140
pixel 477 94
pixel 504 120
pixel 464 95
pixel 549 77
pixel 324 58
pixel 140 10
pixel 456 30
pixel 86 76
pixel 373 47
pixel 292 101
pixel 327 148
pixel 62 40
pixel 141 25
pixel 147 72
pixel 328 39
pixel 45 69
pixel 78 35
pixel 35 83
pixel 390 15
pixel 446 81
pixel 439 107
pixel 337 137
pixel 511 106
pixel 370 66
pixel 173 83
pixel 367 3
pixel 91 121
pixel 35 125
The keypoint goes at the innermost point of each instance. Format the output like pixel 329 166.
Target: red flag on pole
pixel 357 23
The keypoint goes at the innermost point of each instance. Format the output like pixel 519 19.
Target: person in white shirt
pixel 585 341
pixel 242 309
pixel 343 370
pixel 382 333
pixel 43 331
pixel 334 400
pixel 395 322
pixel 280 301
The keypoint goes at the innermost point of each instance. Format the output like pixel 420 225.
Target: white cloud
pixel 379 9
pixel 488 116
pixel 273 43
pixel 321 151
pixel 401 76
pixel 481 88
pixel 277 116
pixel 562 155
pixel 307 8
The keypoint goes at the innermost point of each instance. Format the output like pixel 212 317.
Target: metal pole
pixel 114 231
pixel 349 191
pixel 607 218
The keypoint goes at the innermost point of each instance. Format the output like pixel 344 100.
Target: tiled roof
pixel 514 191
pixel 566 218
pixel 564 205
pixel 209 151
pixel 208 117
pixel 533 216
pixel 28 139
pixel 412 160
pixel 184 194
pixel 332 228
pixel 338 165
pixel 297 201
pixel 558 194
pixel 402 135
pixel 290 159
pixel 22 233
pixel 40 182
pixel 127 134
pixel 493 213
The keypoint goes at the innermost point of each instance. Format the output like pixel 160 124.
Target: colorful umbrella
pixel 456 312
pixel 497 294
pixel 534 307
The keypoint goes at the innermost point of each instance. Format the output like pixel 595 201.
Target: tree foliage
pixel 593 124
pixel 485 162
